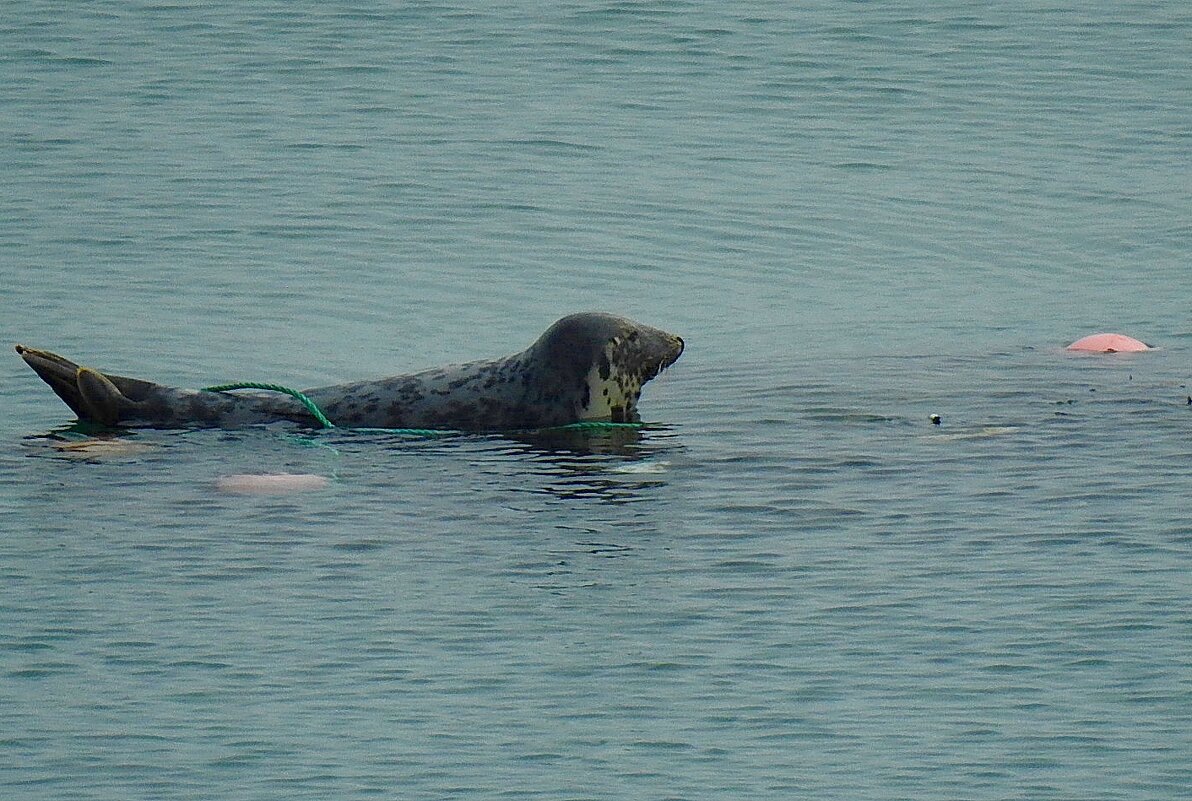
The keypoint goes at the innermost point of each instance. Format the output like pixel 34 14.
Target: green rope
pixel 306 402
pixel 412 432
pixel 317 413
pixel 598 425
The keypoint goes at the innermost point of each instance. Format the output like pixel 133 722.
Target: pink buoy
pixel 271 483
pixel 1108 343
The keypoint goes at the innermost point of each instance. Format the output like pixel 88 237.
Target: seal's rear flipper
pixel 100 396
pixel 92 395
pixel 59 373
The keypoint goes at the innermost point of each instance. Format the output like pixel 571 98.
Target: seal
pixel 586 367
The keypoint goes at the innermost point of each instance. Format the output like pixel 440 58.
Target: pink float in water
pixel 1108 343
pixel 271 483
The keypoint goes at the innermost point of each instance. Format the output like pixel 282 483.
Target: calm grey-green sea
pixel 791 584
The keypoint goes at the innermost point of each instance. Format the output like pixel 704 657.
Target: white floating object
pixel 271 483
pixel 642 467
pixel 102 448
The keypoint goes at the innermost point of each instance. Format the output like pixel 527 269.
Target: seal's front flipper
pixel 89 393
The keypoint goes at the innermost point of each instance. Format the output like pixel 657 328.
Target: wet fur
pixel 588 366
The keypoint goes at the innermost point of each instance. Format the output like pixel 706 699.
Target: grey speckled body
pixel 586 367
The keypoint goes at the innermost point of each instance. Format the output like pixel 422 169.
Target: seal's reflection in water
pixel 613 464
pixel 85 442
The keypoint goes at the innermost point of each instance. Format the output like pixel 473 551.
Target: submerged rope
pixel 586 425
pixel 317 413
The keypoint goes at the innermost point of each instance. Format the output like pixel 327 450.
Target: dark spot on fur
pixel 586 397
pixel 605 367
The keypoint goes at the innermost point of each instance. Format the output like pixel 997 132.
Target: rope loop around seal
pixel 306 402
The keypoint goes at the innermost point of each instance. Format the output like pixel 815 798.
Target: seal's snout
pixel 674 351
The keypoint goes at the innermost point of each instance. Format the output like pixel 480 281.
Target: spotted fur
pixel 589 366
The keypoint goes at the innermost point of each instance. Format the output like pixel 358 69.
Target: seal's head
pixel 600 363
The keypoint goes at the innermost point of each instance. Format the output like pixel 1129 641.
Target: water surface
pixel 789 585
